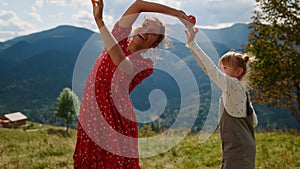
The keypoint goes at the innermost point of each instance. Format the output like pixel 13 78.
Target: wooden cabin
pixel 13 120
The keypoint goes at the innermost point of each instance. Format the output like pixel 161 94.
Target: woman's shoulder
pixel 121 32
pixel 141 60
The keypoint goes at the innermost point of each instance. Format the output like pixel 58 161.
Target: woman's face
pixel 145 36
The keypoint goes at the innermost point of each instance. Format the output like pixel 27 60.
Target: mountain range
pixel 35 68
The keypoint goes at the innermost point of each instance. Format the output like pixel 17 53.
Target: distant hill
pixel 36 67
pixel 233 37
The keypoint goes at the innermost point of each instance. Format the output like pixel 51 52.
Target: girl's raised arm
pixel 204 61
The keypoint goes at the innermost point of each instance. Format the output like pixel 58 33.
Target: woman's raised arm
pixel 111 44
pixel 139 6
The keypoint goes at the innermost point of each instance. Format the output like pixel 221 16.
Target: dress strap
pixel 249 109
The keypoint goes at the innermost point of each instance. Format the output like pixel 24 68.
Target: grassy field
pixel 41 146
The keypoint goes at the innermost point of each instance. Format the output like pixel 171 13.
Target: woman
pixel 107 128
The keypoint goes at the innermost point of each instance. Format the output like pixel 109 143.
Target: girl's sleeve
pixel 207 65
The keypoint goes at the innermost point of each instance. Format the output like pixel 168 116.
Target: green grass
pixel 42 146
pixel 39 147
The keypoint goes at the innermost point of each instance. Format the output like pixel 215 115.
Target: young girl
pixel 107 126
pixel 237 118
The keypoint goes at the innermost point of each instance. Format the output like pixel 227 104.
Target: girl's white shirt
pixel 233 91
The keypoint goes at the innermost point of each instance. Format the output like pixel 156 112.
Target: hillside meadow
pixel 39 146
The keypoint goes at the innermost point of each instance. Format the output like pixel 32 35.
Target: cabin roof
pixel 15 116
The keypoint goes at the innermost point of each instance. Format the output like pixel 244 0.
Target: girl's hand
pixel 98 9
pixel 191 33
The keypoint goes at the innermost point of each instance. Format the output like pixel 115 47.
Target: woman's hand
pixel 191 33
pixel 98 9
pixel 183 17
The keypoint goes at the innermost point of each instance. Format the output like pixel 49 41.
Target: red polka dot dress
pixel 107 128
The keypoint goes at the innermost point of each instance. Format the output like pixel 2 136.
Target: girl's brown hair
pixel 235 60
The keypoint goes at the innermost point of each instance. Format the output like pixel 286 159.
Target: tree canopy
pixel 274 41
pixel 68 106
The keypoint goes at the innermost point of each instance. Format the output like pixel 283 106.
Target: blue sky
pixel 19 18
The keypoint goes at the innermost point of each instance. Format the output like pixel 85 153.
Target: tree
pixel 274 41
pixel 68 106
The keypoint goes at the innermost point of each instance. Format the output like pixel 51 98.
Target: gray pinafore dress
pixel 238 141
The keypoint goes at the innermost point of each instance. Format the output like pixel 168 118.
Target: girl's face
pixel 231 71
pixel 146 35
